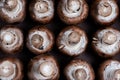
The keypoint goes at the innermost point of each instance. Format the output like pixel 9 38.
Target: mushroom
pixel 105 12
pixel 40 40
pixel 12 11
pixel 43 67
pixel 79 70
pixel 42 10
pixel 72 41
pixel 11 39
pixel 109 70
pixel 106 42
pixel 11 69
pixel 72 11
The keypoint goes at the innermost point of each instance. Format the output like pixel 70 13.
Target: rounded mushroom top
pixel 107 41
pixel 73 8
pixel 11 8
pixel 40 40
pixel 72 40
pixel 79 70
pixel 111 70
pixel 105 10
pixel 11 38
pixel 44 67
pixel 43 8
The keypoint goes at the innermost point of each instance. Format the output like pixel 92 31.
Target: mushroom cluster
pixel 12 11
pixel 10 69
pixel 40 40
pixel 11 39
pixel 79 70
pixel 110 70
pixel 107 42
pixel 43 67
pixel 105 12
pixel 42 10
pixel 72 41
pixel 73 11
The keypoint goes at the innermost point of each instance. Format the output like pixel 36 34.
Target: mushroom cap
pixel 106 42
pixel 79 70
pixel 72 11
pixel 105 12
pixel 40 40
pixel 109 70
pixel 72 41
pixel 43 67
pixel 42 11
pixel 12 10
pixel 11 39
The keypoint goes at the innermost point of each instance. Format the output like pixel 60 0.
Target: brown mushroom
pixel 12 11
pixel 42 10
pixel 11 39
pixel 105 12
pixel 40 40
pixel 79 70
pixel 11 69
pixel 106 42
pixel 109 70
pixel 72 11
pixel 43 67
pixel 72 41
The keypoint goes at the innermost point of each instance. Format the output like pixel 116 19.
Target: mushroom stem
pixel 37 41
pixel 41 6
pixel 109 38
pixel 8 38
pixel 80 74
pixel 74 38
pixel 117 74
pixel 10 4
pixel 104 9
pixel 46 69
pixel 6 69
pixel 73 5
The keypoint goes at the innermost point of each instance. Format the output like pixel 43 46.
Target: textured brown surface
pixel 56 26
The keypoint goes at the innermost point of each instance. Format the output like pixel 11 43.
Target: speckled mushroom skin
pixel 101 53
pixel 19 17
pixel 50 38
pixel 39 58
pixel 18 46
pixel 103 68
pixel 19 67
pixel 95 14
pixel 76 29
pixel 73 20
pixel 44 20
pixel 76 63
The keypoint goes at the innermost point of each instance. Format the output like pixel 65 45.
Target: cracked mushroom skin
pixel 40 40
pixel 43 67
pixel 11 69
pixel 72 41
pixel 109 70
pixel 12 11
pixel 72 11
pixel 79 70
pixel 106 42
pixel 11 39
pixel 105 12
pixel 42 10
